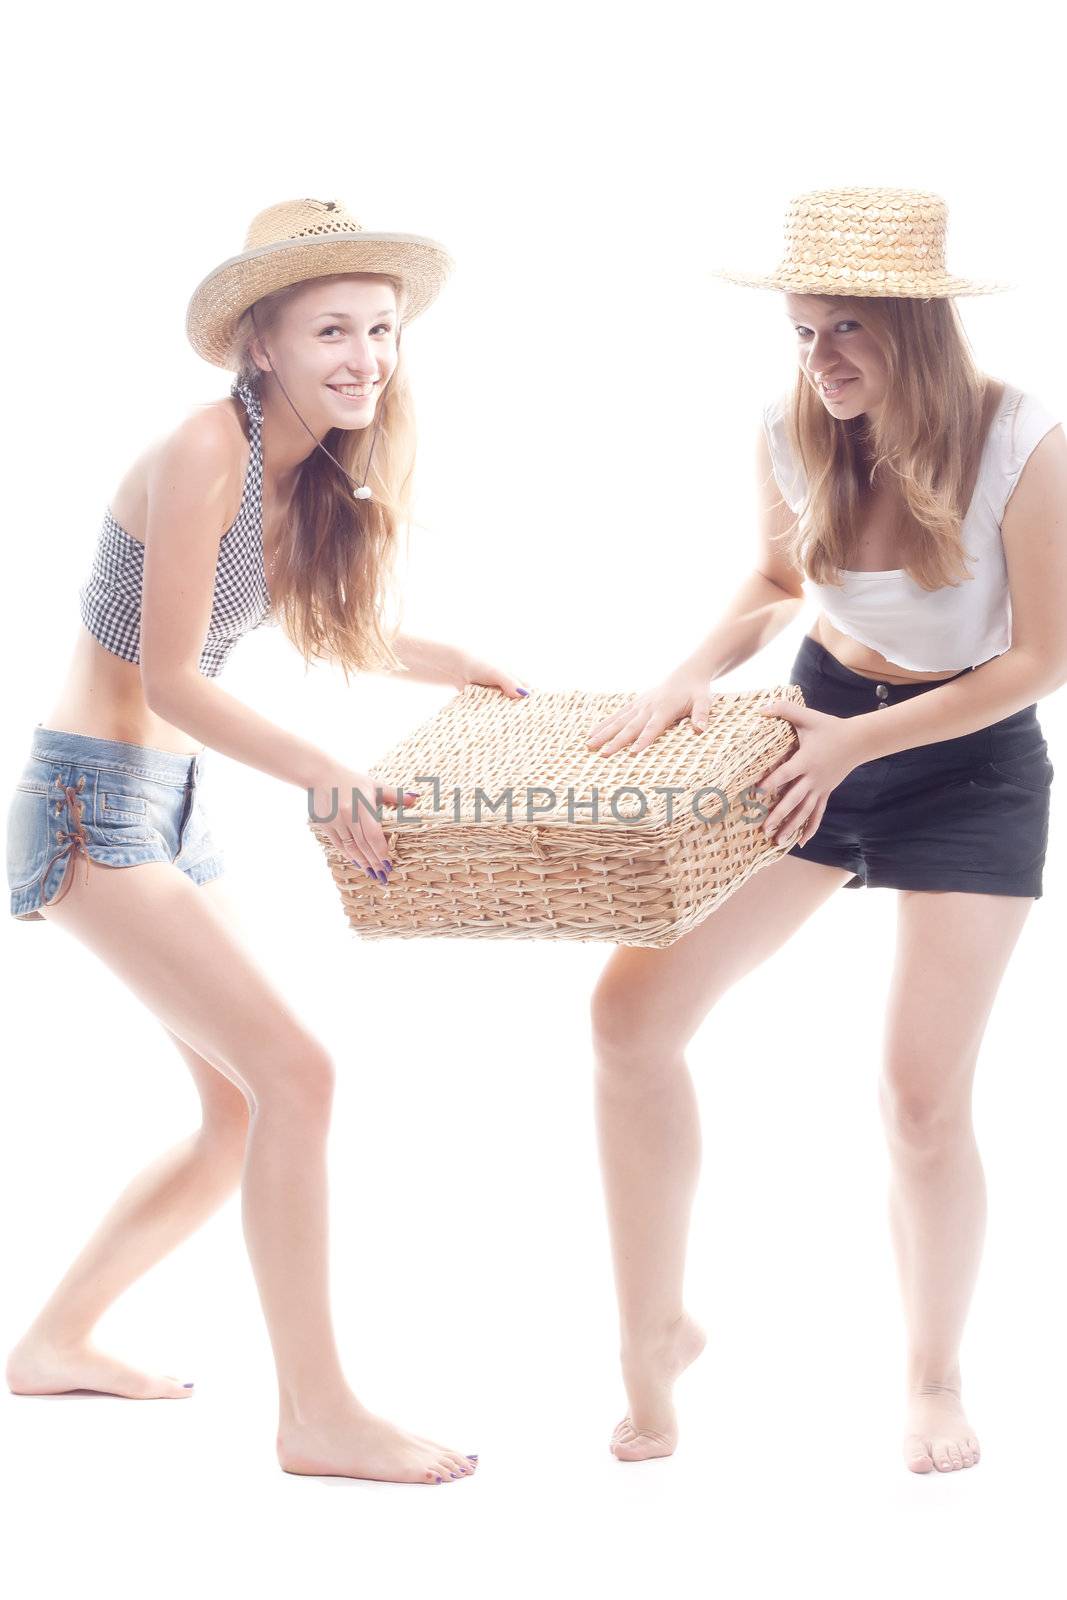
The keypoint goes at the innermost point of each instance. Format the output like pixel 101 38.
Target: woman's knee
pixel 295 1071
pixel 630 1031
pixel 920 1108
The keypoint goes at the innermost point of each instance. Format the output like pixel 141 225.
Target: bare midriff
pixel 102 698
pixel 868 663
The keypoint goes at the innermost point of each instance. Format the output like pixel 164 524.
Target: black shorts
pixel 970 813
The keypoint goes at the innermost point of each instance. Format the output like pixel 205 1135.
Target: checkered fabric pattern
pixel 110 599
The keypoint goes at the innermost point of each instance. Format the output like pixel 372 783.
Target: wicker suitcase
pixel 509 840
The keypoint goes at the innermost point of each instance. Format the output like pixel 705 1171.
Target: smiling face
pixel 834 345
pixel 334 348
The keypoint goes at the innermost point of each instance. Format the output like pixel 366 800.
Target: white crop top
pixel 932 630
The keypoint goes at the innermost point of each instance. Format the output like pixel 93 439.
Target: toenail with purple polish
pixel 187 1386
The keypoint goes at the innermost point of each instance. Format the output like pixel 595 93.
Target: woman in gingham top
pixel 110 598
pixel 279 503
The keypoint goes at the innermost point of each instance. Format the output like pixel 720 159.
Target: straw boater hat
pixel 300 239
pixel 885 242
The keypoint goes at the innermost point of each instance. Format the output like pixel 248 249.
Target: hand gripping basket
pixel 523 832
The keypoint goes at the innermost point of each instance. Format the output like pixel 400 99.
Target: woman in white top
pixel 925 505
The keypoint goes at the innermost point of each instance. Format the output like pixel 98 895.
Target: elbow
pixel 154 693
pixel 790 586
pixel 164 695
pixel 152 698
pixel 1046 673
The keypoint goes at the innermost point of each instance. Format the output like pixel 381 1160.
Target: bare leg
pixel 176 951
pixel 646 1007
pixel 952 952
pixel 162 1206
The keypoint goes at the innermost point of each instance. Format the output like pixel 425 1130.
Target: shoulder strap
pixel 253 485
pixel 249 397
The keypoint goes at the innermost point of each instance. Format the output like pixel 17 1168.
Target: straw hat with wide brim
pixel 885 242
pixel 300 239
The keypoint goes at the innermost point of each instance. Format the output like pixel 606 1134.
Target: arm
pixel 202 709
pixel 755 615
pixel 190 492
pixel 770 597
pixel 766 602
pixel 1034 531
pixel 427 661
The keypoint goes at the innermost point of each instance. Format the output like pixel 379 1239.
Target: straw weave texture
pixel 865 241
pixel 641 870
pixel 298 239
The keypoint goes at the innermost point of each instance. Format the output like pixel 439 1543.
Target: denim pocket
pixel 118 805
pixel 29 834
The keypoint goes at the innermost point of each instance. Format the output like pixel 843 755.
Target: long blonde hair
pixel 335 562
pixel 927 441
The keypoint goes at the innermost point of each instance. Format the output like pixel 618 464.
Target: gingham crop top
pixel 932 630
pixel 110 599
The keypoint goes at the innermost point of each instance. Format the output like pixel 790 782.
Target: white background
pixel 588 399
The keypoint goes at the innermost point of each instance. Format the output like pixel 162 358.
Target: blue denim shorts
pixel 970 813
pixel 117 803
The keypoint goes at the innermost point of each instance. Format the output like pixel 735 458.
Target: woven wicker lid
pixel 865 241
pixel 299 239
pixel 521 831
pixel 481 744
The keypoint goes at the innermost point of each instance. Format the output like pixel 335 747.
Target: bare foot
pixel 650 1427
pixel 939 1436
pixel 351 1442
pixel 38 1367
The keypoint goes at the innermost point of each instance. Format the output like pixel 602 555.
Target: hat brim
pixel 870 284
pixel 422 265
